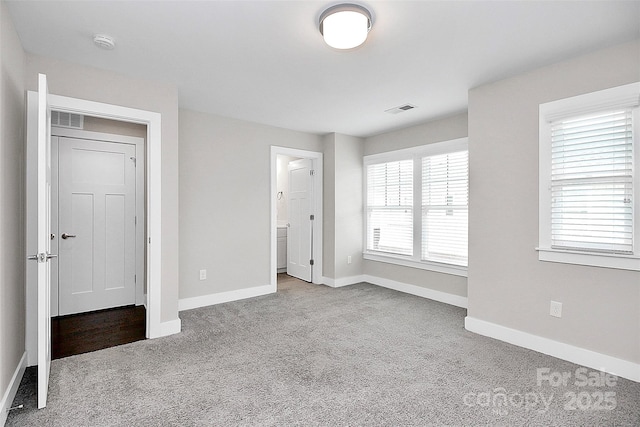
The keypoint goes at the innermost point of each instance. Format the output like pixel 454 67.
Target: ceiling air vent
pixel 67 120
pixel 400 109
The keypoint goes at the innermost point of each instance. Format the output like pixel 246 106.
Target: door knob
pixel 66 236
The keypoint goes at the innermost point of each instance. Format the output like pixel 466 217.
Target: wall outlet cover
pixel 203 274
pixel 555 309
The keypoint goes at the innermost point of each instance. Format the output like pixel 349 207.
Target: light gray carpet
pixel 311 355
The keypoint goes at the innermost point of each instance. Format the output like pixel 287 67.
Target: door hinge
pixel 312 172
pixel 310 262
pixel 135 220
pixel 135 278
pixel 312 217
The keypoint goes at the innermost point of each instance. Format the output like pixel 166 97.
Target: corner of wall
pixel 12 208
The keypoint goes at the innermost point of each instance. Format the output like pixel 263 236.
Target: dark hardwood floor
pixel 85 332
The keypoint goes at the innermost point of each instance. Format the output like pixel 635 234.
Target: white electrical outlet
pixel 349 259
pixel 203 274
pixel 555 309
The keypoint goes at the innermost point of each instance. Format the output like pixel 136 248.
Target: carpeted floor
pixel 311 355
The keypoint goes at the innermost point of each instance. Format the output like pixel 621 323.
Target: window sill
pixel 619 262
pixel 422 265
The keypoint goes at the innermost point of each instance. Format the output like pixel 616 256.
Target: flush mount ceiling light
pixel 345 26
pixel 104 41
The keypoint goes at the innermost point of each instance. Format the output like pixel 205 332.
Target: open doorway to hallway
pixel 98 232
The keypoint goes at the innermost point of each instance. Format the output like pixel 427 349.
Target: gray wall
pixel 347 216
pixel 225 200
pixel 329 206
pixel 507 284
pixel 342 205
pixel 439 130
pixel 12 204
pixel 98 124
pixel 77 81
pixel 443 129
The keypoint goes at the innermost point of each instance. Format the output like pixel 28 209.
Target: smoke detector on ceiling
pixel 104 41
pixel 400 109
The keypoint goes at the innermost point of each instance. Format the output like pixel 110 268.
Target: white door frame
pixel 154 179
pixel 139 205
pixel 153 195
pixel 316 161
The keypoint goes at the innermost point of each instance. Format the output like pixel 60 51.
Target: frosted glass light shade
pixel 345 26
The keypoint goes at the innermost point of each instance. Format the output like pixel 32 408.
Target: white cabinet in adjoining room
pixel 282 249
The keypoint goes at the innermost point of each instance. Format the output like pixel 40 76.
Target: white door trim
pixel 140 214
pixel 153 195
pixel 316 160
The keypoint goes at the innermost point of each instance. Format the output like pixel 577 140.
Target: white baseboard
pixel 222 297
pixel 12 389
pixel 444 297
pixel 170 328
pixel 343 281
pixel 581 356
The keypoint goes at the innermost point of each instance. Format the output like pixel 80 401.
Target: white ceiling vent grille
pixel 67 120
pixel 400 109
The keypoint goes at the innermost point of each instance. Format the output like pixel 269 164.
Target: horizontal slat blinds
pixel 390 207
pixel 445 208
pixel 591 183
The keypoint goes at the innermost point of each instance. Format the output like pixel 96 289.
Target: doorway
pixel 296 214
pixel 97 217
pixel 97 231
pixel 153 237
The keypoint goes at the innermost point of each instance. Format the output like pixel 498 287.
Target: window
pixel 417 207
pixel 390 207
pixel 445 207
pixel 589 181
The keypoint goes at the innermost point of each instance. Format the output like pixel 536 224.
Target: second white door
pixel 299 234
pixel 97 225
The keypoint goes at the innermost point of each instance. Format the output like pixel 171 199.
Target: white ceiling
pixel 266 62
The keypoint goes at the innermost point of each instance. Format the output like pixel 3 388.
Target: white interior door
pixel 44 241
pixel 97 225
pixel 299 235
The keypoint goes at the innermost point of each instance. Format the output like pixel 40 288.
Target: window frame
pixel 416 154
pixel 618 97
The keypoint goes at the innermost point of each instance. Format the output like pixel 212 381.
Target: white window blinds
pixel 390 207
pixel 591 182
pixel 445 208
